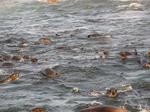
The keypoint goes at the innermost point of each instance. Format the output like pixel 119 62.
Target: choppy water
pixel 68 24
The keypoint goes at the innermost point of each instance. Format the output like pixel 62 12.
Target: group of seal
pixel 7 60
pixel 142 60
pixel 51 74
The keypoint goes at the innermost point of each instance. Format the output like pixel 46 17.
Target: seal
pixel 50 1
pixel 34 60
pixel 7 65
pixel 124 55
pixel 147 65
pixel 39 110
pixel 103 54
pixel 101 38
pixel 49 73
pixel 53 1
pixel 12 77
pixel 16 58
pixel 112 92
pixel 6 58
pixel 103 109
pixel 44 41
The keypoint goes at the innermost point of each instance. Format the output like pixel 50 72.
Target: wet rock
pixel 7 65
pixel 103 109
pixel 112 92
pixel 39 110
pixel 101 38
pixel 49 73
pixel 11 78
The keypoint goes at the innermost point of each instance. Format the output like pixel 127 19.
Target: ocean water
pixel 68 24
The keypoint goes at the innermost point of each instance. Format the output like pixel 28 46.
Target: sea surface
pixel 73 54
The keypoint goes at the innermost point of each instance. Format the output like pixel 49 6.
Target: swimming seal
pixel 39 110
pixel 49 73
pixel 124 55
pixel 50 1
pixel 103 109
pixel 112 92
pixel 101 38
pixel 12 77
pixel 7 65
